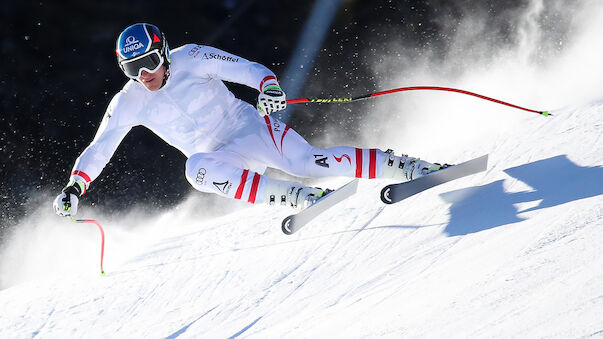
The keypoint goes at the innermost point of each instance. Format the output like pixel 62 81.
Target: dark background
pixel 59 73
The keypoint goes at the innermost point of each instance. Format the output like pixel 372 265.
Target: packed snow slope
pixel 511 252
pixel 514 251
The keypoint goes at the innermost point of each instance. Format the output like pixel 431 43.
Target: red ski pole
pixel 413 88
pixel 100 228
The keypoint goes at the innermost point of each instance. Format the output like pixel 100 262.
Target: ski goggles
pixel 149 62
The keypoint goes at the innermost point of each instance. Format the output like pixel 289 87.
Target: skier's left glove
pixel 65 203
pixel 272 99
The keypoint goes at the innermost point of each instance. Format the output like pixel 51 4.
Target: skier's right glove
pixel 66 203
pixel 272 99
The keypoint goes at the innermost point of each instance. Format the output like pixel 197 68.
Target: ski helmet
pixel 142 47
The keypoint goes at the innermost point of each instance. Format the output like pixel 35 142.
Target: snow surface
pixel 511 252
pixel 515 251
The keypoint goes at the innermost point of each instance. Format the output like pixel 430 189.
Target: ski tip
pixel 385 195
pixel 286 226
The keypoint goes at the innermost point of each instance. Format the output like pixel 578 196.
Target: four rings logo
pixel 201 176
pixel 132 44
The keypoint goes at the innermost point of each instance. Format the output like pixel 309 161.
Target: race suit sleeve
pixel 213 62
pixel 116 123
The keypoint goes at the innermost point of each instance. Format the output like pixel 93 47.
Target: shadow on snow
pixel 555 181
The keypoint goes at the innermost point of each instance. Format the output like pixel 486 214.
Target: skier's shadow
pixel 555 181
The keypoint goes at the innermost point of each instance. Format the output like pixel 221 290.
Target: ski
pixel 394 193
pixel 294 222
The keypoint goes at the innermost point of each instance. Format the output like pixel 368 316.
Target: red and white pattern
pixel 268 81
pixel 277 130
pixel 366 163
pixel 81 176
pixel 248 187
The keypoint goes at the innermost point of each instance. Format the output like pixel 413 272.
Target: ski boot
pixel 292 194
pixel 405 168
pixel 303 197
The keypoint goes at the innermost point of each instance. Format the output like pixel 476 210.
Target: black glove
pixel 65 203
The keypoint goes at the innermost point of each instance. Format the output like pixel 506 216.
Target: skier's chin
pixel 152 85
pixel 152 81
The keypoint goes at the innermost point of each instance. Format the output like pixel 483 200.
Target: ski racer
pixel 180 95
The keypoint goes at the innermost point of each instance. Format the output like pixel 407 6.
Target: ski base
pixel 294 222
pixel 394 193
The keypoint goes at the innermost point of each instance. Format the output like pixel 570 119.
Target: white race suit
pixel 227 142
